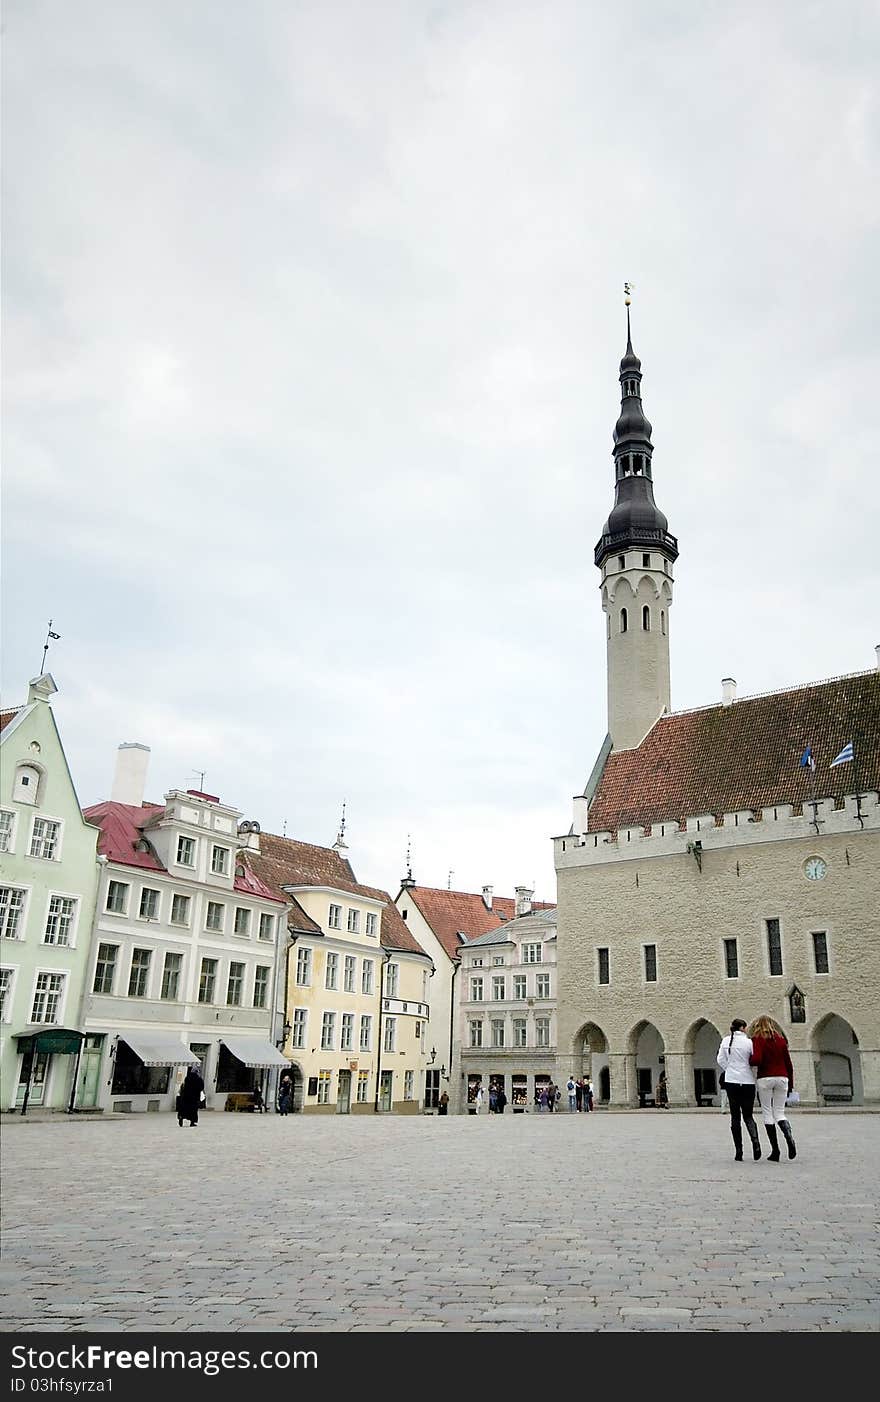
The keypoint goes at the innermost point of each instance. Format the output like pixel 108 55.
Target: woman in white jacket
pixel 739 1083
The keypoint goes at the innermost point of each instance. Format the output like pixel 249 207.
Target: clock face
pixel 814 868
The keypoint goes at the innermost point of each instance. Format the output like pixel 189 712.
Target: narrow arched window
pixel 663 622
pixel 609 625
pixel 623 621
pixel 646 619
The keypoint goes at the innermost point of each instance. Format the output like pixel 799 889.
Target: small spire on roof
pixel 340 845
pixel 408 880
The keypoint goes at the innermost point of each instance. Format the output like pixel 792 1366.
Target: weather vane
pixel 627 291
pixel 50 637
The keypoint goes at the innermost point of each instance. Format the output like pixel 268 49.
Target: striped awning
pixel 254 1051
pixel 158 1048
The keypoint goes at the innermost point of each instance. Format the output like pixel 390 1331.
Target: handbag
pixel 793 1098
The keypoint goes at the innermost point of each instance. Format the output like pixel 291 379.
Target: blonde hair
pixel 765 1026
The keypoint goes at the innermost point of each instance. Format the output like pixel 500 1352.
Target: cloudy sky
pixel 313 316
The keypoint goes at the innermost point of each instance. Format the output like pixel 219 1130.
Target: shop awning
pixel 254 1051
pixel 60 1040
pixel 158 1048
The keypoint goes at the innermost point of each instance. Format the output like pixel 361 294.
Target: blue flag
pixel 807 761
pixel 845 754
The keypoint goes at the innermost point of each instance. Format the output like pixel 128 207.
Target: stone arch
pixel 837 1059
pixel 701 1044
pixel 590 1058
pixel 646 1047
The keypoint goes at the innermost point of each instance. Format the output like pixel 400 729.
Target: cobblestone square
pixel 624 1222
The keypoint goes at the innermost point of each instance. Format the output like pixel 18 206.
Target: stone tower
pixel 635 554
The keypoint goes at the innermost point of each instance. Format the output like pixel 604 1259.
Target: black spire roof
pixel 636 519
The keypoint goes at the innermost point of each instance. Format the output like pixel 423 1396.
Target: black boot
pixel 753 1135
pixel 789 1138
pixel 773 1157
pixel 736 1131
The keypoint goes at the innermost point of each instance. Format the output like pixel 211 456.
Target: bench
pixel 240 1100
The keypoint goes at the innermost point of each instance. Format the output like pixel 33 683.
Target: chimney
pixel 523 905
pixel 131 774
pixel 487 897
pixel 728 691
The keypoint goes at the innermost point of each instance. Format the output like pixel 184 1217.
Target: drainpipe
pixel 455 970
pixel 385 958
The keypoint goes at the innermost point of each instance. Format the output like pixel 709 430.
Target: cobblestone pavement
pixel 625 1222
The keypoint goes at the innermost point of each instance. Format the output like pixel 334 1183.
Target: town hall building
pixel 723 861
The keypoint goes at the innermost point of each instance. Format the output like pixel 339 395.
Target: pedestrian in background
pixel 190 1097
pixel 579 1094
pixel 285 1094
pixel 500 1100
pixel 772 1061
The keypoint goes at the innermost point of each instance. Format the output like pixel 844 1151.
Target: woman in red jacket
pixel 771 1059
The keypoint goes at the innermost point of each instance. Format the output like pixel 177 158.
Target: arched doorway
pixel 838 1063
pixel 591 1059
pixel 647 1049
pixel 701 1044
pixel 296 1075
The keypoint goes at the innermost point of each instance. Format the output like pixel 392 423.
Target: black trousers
pixel 742 1103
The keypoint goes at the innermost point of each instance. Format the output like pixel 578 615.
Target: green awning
pixel 58 1040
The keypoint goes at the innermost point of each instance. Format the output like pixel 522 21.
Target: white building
pixel 185 956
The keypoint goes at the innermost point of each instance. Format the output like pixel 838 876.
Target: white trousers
pixel 772 1091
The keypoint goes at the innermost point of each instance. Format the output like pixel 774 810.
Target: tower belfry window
pixel 646 619
pixel 623 621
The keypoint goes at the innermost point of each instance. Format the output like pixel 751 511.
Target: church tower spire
pixel 635 555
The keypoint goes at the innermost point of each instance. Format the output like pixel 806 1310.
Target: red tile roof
pixel 454 913
pixel 122 825
pixel 283 861
pixel 723 759
pixel 7 716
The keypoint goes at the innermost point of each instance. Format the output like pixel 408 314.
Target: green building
pixel 48 883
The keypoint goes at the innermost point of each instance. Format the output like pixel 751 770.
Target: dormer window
pixel 26 788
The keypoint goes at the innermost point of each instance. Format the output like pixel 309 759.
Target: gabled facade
pixel 47 903
pixel 358 985
pixel 507 1012
pixel 185 963
pixel 442 922
pixel 723 862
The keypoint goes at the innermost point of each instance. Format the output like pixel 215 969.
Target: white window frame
pixel 21 911
pixel 353 921
pixel 6 1011
pixel 331 970
pixel 529 956
pixel 389 1035
pixel 73 926
pixel 181 924
pixel 370 923
pixel 265 969
pixel 221 906
pixel 367 975
pixel 542 981
pixel 521 983
pixel 58 1020
pixel 303 977
pixel 57 841
pixel 363 1088
pixel 499 982
pixel 244 910
pixel 267 923
pixel 140 949
pixel 126 898
pixel 542 1031
pixel 223 868
pixel 175 996
pixel 158 894
pixel 392 980
pixel 324 1078
pixel 476 1031
pixel 365 1032
pixel 240 978
pixel 334 916
pixel 520 1032
pixel 207 959
pixel 298 1028
pixel 497 1026
pixel 181 838
pixel 349 973
pixel 105 993
pixel 328 1030
pixel 476 989
pixel 346 1032
pixel 408 1085
pixel 8 829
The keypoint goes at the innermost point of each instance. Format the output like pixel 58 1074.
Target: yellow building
pixel 358 1001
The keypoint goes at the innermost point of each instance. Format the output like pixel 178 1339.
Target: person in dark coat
pixel 285 1094
pixel 443 1107
pixel 500 1102
pixel 190 1097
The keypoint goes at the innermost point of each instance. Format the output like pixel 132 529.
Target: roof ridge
pixel 760 695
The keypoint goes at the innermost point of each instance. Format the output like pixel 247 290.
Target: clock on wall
pixel 815 868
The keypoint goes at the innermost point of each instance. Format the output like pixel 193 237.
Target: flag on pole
pixel 845 754
pixel 807 761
